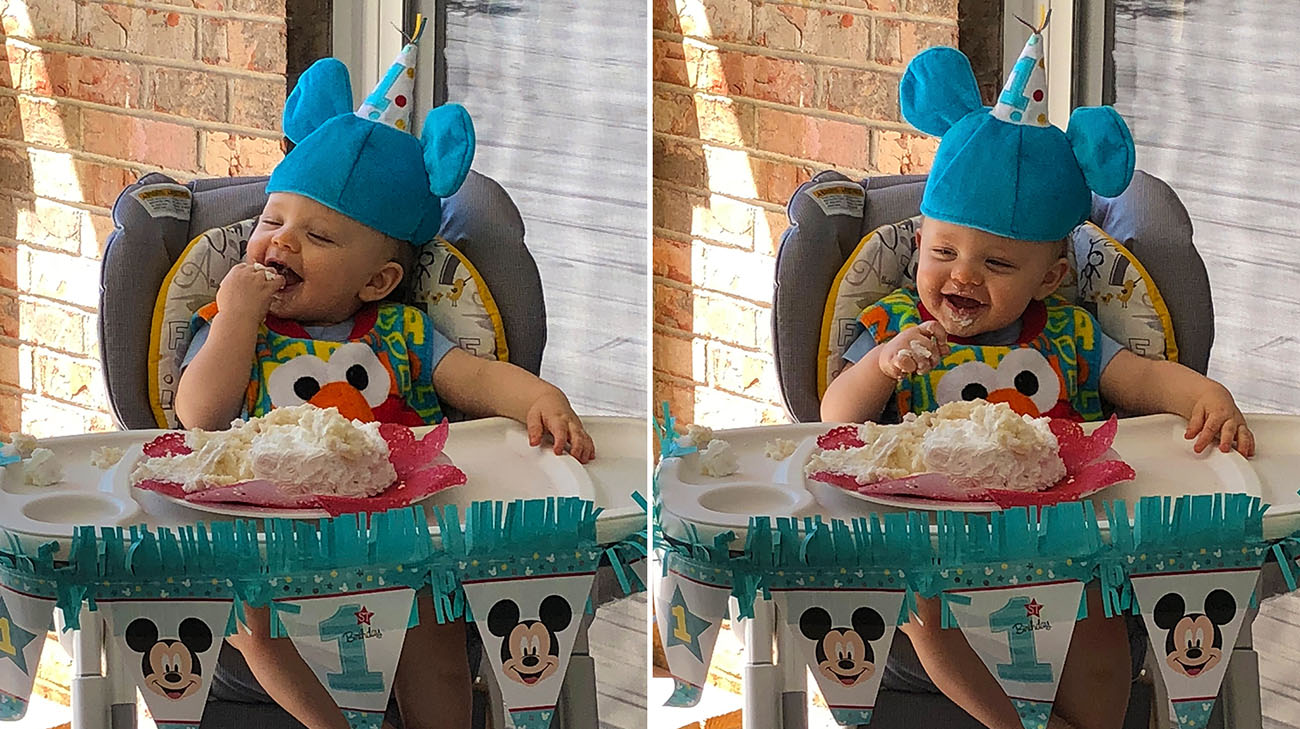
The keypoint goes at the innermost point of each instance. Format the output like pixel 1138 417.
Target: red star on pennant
pixel 363 616
pixel 1033 609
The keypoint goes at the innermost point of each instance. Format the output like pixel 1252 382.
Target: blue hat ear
pixel 1103 147
pixel 323 92
pixel 937 90
pixel 448 141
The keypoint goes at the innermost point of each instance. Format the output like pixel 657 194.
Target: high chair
pixel 156 220
pixel 826 228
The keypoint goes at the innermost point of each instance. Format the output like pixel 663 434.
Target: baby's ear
pixel 448 141
pixel 1104 148
pixel 323 92
pixel 938 89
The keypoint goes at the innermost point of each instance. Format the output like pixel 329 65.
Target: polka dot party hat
pixel 367 164
pixel 1024 99
pixel 1007 170
pixel 390 102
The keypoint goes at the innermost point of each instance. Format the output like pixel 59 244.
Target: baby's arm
pixel 211 391
pixel 284 675
pixel 863 389
pixel 1142 386
pixel 432 685
pixel 477 386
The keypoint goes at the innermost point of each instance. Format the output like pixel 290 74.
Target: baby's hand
pixel 914 351
pixel 551 413
pixel 246 292
pixel 1215 416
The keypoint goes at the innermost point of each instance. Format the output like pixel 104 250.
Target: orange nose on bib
pixel 348 399
pixel 1019 403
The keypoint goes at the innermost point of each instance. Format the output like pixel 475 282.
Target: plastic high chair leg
pixel 762 678
pixel 90 691
pixel 1240 692
pixel 578 693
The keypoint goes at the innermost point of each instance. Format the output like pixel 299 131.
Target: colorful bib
pixel 379 374
pixel 1053 370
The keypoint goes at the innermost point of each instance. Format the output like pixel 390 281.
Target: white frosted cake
pixel 301 449
pixel 985 446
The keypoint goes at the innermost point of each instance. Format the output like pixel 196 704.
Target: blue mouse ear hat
pixel 1007 170
pixel 366 164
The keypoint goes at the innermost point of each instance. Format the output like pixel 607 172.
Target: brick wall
pixel 92 95
pixel 751 98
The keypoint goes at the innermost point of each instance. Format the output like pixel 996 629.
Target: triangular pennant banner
pixel 844 637
pixel 24 620
pixel 169 649
pixel 352 643
pixel 1193 619
pixel 529 627
pixel 689 614
pixel 1022 634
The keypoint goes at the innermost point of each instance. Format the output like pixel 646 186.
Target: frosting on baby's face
pixel 975 282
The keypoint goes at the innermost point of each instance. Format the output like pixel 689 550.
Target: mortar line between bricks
pixel 673 379
pixel 867 12
pixel 37 297
pixel 674 185
pixel 667 330
pixel 186 10
pixel 45 348
pixel 713 293
pixel 30 196
pixel 758 153
pixel 63 403
pixel 64 306
pixel 180 175
pixel 715 44
pixel 137 59
pixel 811 111
pixel 149 114
pixel 659 231
pixel 11 242
pixel 676 380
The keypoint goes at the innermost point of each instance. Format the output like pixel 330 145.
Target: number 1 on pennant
pixel 679 630
pixel 6 642
pixel 342 628
pixel 1024 667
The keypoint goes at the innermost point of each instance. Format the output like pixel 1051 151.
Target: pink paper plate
pixel 422 470
pixel 1090 466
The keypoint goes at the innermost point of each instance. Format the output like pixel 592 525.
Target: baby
pixel 303 319
pixel 1005 191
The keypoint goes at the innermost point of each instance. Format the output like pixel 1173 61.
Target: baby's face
pixel 975 282
pixel 329 261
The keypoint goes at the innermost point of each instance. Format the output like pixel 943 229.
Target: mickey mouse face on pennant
pixel 171 667
pixel 844 654
pixel 530 649
pixel 1193 642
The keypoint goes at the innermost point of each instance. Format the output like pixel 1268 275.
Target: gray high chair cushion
pixel 480 220
pixel 1147 218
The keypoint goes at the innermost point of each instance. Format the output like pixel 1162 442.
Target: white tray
pixel 1153 445
pixel 493 452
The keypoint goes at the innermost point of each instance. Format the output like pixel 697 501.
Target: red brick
pixel 938 8
pixel 94 234
pixel 726 318
pixel 236 154
pixel 53 326
pixel 15 170
pixel 53 73
pixel 823 33
pixel 673 208
pixel 917 37
pixel 780 26
pixel 682 163
pixel 48 122
pixel 757 77
pixel 70 380
pixel 78 180
pixel 673 307
pixel 8 267
pixel 669 62
pixel 741 372
pixel 12 369
pixel 191 94
pixel 60 277
pixel 11 122
pixel 905 154
pixel 248 45
pixel 680 399
pixel 767 231
pixel 805 137
pixel 47 419
pixel 11 403
pixel 48 21
pixel 864 94
pixel 722 409
pixel 776 181
pixel 672 260
pixel 673 113
pixel 733 271
pixel 664 16
pixel 10 320
pixel 274 8
pixel 674 355
pixel 164 144
pixel 48 224
pixel 257 103
pixel 728 20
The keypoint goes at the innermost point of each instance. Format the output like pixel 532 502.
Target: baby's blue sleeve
pixel 1109 348
pixel 441 346
pixel 860 346
pixel 197 339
